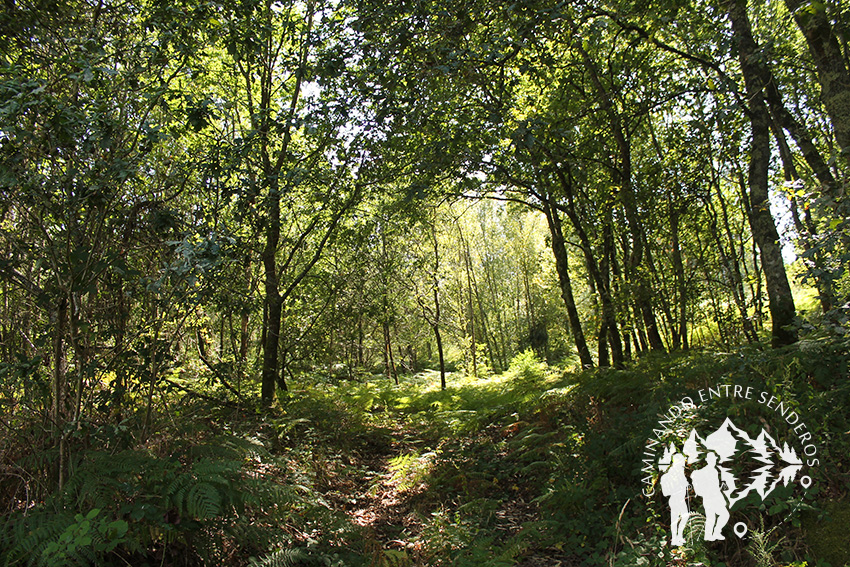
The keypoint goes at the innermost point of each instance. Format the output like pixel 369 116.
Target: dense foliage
pixel 255 251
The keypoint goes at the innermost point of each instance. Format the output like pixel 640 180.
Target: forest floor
pixel 384 492
pixel 436 477
pixel 539 466
pixel 535 467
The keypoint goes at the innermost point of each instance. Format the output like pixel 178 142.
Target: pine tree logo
pixel 711 479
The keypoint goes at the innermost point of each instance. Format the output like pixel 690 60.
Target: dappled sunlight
pixel 444 283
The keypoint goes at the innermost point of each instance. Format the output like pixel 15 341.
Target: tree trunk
pixel 470 310
pixel 59 387
pixel 808 230
pixel 81 354
pixel 730 262
pixel 360 337
pixel 500 332
pixel 602 345
pixel 623 177
pixel 271 375
pixel 436 322
pixel 680 333
pixel 439 339
pixel 559 250
pixel 802 138
pixel 598 274
pixel 274 308
pixel 611 333
pixel 780 300
pixel 391 369
pixel 486 330
pixel 833 75
pixel 644 298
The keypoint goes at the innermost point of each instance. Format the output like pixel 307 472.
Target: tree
pixel 831 64
pixel 781 302
pixel 96 155
pixel 284 147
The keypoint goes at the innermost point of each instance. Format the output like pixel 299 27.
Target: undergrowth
pixel 537 462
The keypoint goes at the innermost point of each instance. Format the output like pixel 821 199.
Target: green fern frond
pixel 216 472
pixel 177 490
pixel 218 489
pixel 203 501
pixel 32 535
pixel 281 558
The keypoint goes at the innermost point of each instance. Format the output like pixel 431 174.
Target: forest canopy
pixel 226 201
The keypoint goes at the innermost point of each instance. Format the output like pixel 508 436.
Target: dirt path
pixel 373 499
pixel 393 511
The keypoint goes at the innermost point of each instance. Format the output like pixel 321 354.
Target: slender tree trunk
pixel 470 310
pixel 780 300
pixel 602 345
pixel 650 321
pixel 642 344
pixel 243 338
pixel 611 332
pixel 153 373
pixel 808 229
pixel 486 330
pixel 562 265
pixel 117 401
pixel 384 355
pixel 598 270
pixel 601 283
pixel 758 299
pixel 501 332
pixel 730 263
pixel 623 177
pixel 681 333
pixel 59 387
pixel 802 138
pixel 81 355
pixel 738 269
pixel 388 347
pixel 271 375
pixel 436 291
pixel 783 120
pixel 271 371
pixel 360 338
pixel 439 340
pixel 833 74
pixel 718 318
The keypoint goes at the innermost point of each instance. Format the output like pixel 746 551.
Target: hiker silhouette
pixel 706 483
pixel 674 485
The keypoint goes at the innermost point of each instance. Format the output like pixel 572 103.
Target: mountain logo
pixel 720 471
pixel 712 481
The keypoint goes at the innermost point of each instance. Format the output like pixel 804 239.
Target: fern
pixel 177 490
pixel 32 534
pixel 204 497
pixel 394 558
pixel 203 501
pixel 694 529
pixel 282 558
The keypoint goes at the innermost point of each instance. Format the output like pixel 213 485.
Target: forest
pixel 424 283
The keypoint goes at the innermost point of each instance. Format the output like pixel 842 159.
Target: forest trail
pixel 385 490
pixel 419 473
pixel 381 505
pixel 373 497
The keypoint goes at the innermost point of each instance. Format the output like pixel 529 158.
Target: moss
pixel 826 534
